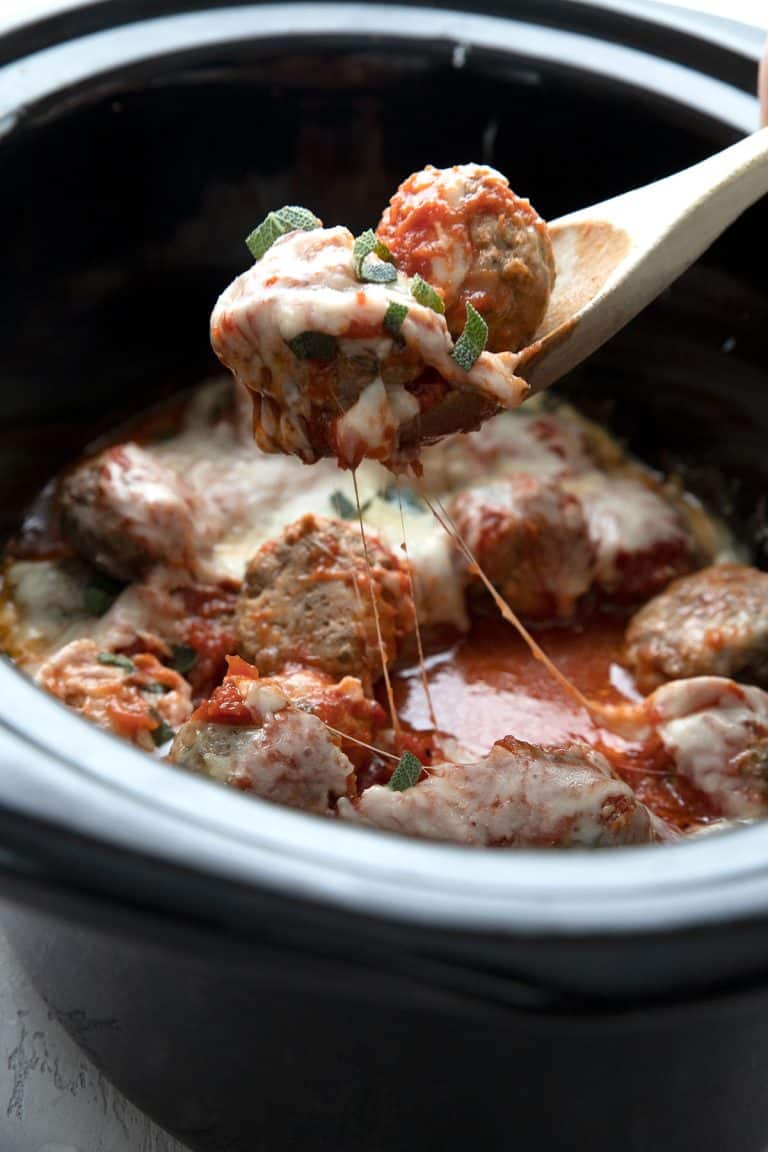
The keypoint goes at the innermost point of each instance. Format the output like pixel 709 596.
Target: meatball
pixel 711 623
pixel 124 512
pixel 251 736
pixel 641 539
pixel 307 600
pixel 716 735
pixel 465 231
pixel 333 371
pixel 530 538
pixel 520 795
pixel 135 697
pixel 342 705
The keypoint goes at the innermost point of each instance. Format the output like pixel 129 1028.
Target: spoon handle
pixel 690 209
pixel 614 258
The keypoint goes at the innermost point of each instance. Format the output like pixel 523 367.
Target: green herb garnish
pixel 118 661
pixel 100 594
pixel 394 494
pixel 427 295
pixel 183 658
pixel 377 272
pixel 155 687
pixel 343 506
pixel 365 244
pixel 407 772
pixel 394 316
pixel 292 218
pixel 313 346
pixel 163 733
pixel 472 340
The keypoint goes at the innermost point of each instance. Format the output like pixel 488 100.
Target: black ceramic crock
pixel 260 979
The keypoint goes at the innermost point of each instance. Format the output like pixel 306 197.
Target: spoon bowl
pixel 612 260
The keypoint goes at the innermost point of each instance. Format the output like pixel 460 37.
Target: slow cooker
pixel 256 978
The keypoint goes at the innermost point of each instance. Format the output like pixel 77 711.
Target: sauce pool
pixel 487 685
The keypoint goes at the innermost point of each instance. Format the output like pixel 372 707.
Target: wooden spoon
pixel 616 257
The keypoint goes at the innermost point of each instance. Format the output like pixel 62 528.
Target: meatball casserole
pixel 328 637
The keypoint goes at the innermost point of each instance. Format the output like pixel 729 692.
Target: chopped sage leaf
pixel 377 272
pixel 263 236
pixel 472 340
pixel 343 506
pixel 393 494
pixel 155 687
pixel 313 346
pixel 100 594
pixel 118 661
pixel 407 772
pixel 427 295
pixel 298 218
pixel 365 244
pixel 394 316
pixel 292 218
pixel 183 658
pixel 163 733
pixel 96 600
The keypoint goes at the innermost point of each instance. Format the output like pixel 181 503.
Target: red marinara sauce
pixel 487 685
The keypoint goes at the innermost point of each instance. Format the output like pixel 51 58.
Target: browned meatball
pixel 340 704
pixel 518 795
pixel 251 736
pixel 124 511
pixel 465 231
pixel 306 600
pixel 712 623
pixel 289 759
pixel 715 733
pixel 531 539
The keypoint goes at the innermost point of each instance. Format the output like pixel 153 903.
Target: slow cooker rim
pixel 154 809
pixel 30 81
pixel 23 33
pixel 110 792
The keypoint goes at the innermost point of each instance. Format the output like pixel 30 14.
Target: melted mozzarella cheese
pixel 439 582
pixel 370 426
pixel 48 608
pixel 257 496
pixel 543 445
pixel 306 282
pixel 624 514
pixel 49 595
pixel 522 795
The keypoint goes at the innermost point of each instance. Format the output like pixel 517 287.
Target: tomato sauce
pixel 487 685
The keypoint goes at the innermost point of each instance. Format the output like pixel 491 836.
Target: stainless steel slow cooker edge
pixel 336 949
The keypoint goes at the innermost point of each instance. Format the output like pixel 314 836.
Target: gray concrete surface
pixel 52 1099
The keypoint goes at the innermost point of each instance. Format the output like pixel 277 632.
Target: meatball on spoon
pixel 461 303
